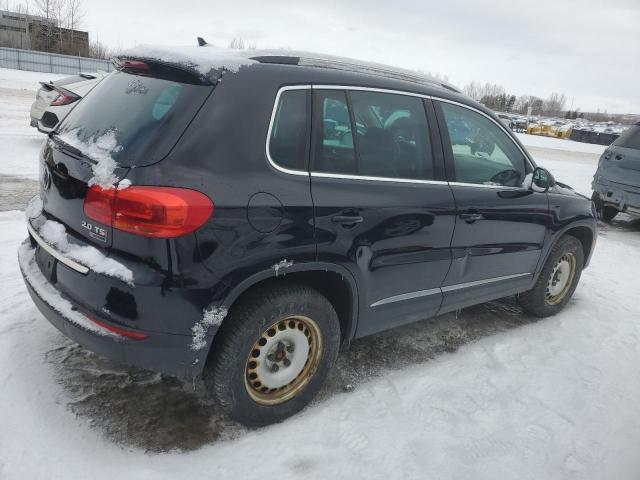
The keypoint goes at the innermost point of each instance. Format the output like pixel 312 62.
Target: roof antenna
pixel 202 42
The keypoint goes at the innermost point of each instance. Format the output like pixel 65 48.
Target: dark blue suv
pixel 242 218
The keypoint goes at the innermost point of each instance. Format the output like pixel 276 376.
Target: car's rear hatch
pixel 131 119
pixel 620 163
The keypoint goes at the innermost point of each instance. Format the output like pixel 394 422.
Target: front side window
pixel 288 141
pixel 372 134
pixel 482 152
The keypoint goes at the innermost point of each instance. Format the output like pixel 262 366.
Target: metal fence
pixel 50 62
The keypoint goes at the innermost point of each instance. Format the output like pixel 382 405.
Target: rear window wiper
pixel 76 152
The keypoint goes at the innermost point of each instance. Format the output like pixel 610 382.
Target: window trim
pixel 274 111
pixel 444 135
pixel 347 88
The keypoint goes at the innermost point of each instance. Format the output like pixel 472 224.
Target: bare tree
pixel 554 105
pixel 478 91
pixel 238 43
pixel 75 16
pixel 60 14
pixel 47 10
pixel 99 50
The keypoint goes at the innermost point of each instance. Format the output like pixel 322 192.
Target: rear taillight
pixel 65 97
pixel 159 212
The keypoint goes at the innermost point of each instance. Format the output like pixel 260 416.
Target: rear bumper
pixel 625 198
pixel 170 354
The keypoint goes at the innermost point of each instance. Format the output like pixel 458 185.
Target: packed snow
pixel 203 59
pixel 45 290
pixel 211 317
pixel 100 149
pixel 55 234
pixel 550 399
pixel 282 265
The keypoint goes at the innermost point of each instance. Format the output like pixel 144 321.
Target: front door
pixel 382 206
pixel 500 225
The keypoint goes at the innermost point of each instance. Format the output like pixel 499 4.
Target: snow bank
pixel 55 235
pixel 559 144
pixel 100 149
pixel 203 59
pixel 25 80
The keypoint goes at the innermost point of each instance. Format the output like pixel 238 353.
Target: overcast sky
pixel 587 49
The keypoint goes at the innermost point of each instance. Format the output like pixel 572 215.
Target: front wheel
pixel 557 281
pixel 273 354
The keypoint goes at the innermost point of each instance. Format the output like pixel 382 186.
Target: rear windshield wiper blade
pixel 76 152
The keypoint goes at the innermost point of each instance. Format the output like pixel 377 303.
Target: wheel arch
pixel 585 232
pixel 324 277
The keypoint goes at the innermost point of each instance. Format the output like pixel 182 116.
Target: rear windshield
pixel 630 138
pixel 139 118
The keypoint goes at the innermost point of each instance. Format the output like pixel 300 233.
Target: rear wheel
pixel 557 281
pixel 274 351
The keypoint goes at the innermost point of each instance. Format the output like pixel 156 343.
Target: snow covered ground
pixel 492 394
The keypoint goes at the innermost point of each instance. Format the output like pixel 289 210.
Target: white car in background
pixel 54 100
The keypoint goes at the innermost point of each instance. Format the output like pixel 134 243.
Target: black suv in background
pixel 242 219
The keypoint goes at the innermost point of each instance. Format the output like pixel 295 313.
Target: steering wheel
pixel 508 178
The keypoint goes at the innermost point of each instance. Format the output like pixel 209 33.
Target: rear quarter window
pixel 288 138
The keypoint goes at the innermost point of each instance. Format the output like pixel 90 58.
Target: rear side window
pixel 372 134
pixel 141 117
pixel 288 141
pixel 334 150
pixel 630 138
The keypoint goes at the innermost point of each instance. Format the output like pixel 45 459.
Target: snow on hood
pixel 100 149
pixel 202 59
pixel 55 235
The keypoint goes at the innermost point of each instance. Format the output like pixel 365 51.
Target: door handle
pixel 471 216
pixel 347 220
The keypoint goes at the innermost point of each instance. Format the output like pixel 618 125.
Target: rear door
pixel 382 207
pixel 500 226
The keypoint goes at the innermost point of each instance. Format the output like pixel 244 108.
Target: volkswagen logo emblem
pixel 46 178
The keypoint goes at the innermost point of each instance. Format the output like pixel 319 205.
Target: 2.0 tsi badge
pixel 95 231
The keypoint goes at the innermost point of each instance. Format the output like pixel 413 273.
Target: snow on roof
pixel 202 59
pixel 208 59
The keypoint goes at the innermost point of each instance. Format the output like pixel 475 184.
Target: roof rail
pixel 347 64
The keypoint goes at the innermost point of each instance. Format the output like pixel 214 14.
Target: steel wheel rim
pixel 283 360
pixel 561 279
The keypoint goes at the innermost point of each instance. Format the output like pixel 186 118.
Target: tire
pixel 270 327
pixel 549 295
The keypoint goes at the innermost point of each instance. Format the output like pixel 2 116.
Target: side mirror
pixel 542 180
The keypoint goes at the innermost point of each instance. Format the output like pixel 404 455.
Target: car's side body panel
pixel 399 263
